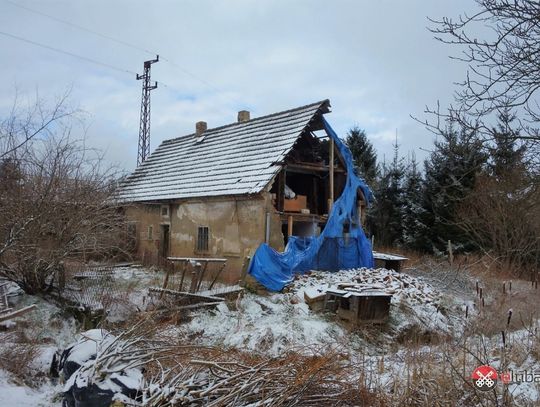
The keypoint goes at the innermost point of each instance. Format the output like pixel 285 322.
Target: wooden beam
pixel 280 197
pixel 245 266
pixel 195 275
pixel 165 282
pixel 184 268
pixel 304 217
pixel 331 174
pixel 289 225
pixel 308 169
pixel 198 305
pixel 198 260
pixel 17 313
pixel 184 294
pixel 217 276
pixel 201 277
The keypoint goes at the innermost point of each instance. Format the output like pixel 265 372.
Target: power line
pixel 80 27
pixel 191 74
pixel 81 57
pixel 121 42
pixel 93 61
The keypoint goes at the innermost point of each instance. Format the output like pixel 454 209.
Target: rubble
pixel 400 285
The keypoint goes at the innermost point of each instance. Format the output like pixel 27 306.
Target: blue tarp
pixel 328 251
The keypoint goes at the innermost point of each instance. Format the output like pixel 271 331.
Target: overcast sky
pixel 375 60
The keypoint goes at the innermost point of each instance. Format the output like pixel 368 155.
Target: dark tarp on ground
pixel 328 251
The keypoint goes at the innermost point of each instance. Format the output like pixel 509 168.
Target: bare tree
pixel 502 215
pixel 55 198
pixel 500 43
pixel 31 120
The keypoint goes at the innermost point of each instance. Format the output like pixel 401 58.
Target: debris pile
pixel 402 287
pixel 414 301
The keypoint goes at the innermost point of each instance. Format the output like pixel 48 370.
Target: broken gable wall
pixel 330 250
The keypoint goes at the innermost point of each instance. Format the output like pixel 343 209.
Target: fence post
pixel 245 266
pixel 194 277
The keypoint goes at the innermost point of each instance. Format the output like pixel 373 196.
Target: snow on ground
pixel 414 301
pixel 266 324
pixel 47 328
pixel 12 394
pixel 273 324
pixel 284 321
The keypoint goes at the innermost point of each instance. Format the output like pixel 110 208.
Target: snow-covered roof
pixel 236 159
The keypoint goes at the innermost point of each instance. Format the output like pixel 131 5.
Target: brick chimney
pixel 243 116
pixel 200 128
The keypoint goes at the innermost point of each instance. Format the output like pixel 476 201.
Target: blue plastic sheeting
pixel 328 251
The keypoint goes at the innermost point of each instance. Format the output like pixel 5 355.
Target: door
pixel 164 244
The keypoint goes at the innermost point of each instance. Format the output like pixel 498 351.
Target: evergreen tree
pixel 450 174
pixel 502 214
pixel 505 155
pixel 386 217
pixel 414 230
pixel 364 155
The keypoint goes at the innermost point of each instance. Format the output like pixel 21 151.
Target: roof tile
pixel 236 159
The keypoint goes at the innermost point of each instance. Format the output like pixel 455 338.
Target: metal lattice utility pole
pixel 144 128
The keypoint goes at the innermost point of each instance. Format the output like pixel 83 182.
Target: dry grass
pixel 16 357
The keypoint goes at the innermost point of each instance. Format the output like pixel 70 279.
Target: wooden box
pixel 296 204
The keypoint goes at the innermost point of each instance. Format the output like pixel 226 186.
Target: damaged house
pixel 224 191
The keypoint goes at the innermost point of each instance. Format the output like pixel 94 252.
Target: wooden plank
pixel 198 305
pixel 17 313
pixel 165 282
pixel 201 276
pixel 197 259
pixel 185 294
pixel 245 266
pixel 387 256
pixel 217 275
pixel 222 291
pixel 194 277
pixel 184 268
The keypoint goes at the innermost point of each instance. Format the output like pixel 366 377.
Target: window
pixel 165 210
pixel 150 232
pixel 202 239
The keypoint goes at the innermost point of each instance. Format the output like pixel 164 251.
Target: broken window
pixel 202 239
pixel 165 210
pixel 150 232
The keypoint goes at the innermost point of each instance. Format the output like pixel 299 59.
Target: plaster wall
pixel 236 226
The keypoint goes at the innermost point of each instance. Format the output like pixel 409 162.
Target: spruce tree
pixel 364 155
pixel 502 213
pixel 386 218
pixel 414 229
pixel 450 174
pixel 505 156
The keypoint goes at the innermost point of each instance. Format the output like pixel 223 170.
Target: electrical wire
pixel 80 27
pixel 87 59
pixel 118 41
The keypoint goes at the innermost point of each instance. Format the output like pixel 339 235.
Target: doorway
pixel 164 243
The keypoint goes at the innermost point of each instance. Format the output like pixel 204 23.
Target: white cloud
pixel 375 61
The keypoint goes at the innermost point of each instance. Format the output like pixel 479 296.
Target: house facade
pixel 222 192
